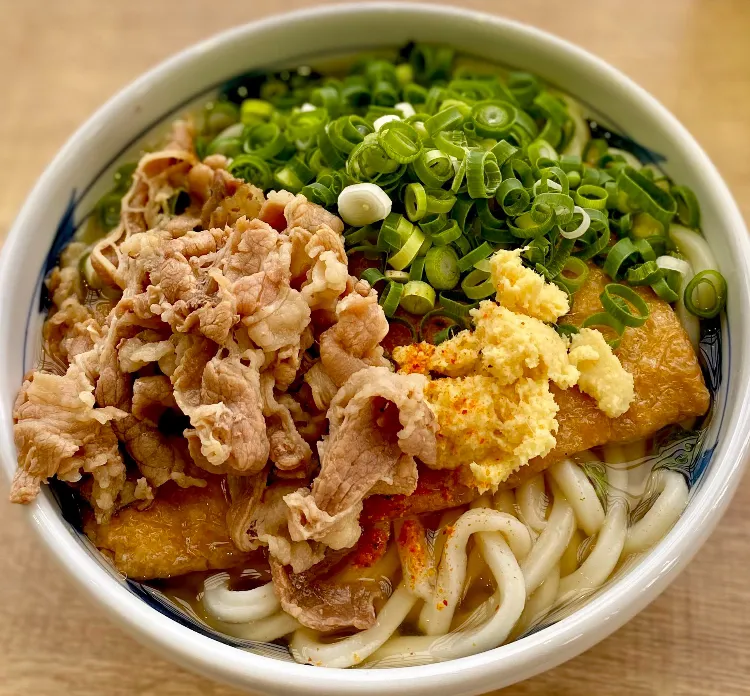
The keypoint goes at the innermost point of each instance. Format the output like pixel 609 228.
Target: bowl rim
pixel 521 659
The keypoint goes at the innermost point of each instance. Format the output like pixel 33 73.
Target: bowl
pixel 81 172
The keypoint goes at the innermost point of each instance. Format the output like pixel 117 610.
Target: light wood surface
pixel 59 60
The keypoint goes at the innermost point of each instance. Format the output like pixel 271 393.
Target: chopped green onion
pixel 449 325
pixel 441 268
pixel 462 210
pixel 418 297
pixel 450 233
pixel 503 151
pixel 473 257
pixel 622 252
pixel 433 168
pixel 390 298
pixel 363 204
pixel 252 169
pixel 482 174
pixel 406 254
pixel 662 289
pixel 688 209
pixel 588 196
pixel 540 151
pixel 493 118
pixel 618 299
pixel 579 271
pixel 372 276
pixel 527 226
pixel 715 282
pixel 456 308
pixel 645 273
pixel 440 201
pixel 644 194
pixel 415 201
pixel 477 285
pixel 604 320
pixel 304 125
pixel 512 197
pixel 566 330
pixel 417 268
pixel 264 140
pixel 400 141
pixel 444 120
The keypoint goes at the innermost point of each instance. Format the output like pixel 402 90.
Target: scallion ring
pixel 264 140
pixel 415 201
pixel 711 279
pixel 373 276
pixel 441 268
pixel 440 201
pixel 390 298
pixel 588 196
pixel 252 169
pixel 604 320
pixel 512 197
pixel 582 227
pixel 363 204
pixel 450 233
pixel 477 285
pixel 688 208
pixel 433 168
pixel 574 273
pixel 618 299
pixel 400 140
pixel 645 273
pixel 644 194
pixel 418 297
pixel 493 118
pixel 482 174
pixel 622 252
pixel 475 256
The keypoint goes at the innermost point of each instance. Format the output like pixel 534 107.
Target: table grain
pixel 61 59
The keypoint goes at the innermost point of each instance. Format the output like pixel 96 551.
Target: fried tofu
pixel 669 388
pixel 184 530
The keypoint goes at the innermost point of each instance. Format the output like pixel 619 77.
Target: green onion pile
pixel 435 163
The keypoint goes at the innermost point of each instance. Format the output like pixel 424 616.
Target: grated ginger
pixel 602 375
pixel 522 290
pixel 496 428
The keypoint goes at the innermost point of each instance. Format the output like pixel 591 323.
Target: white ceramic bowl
pixel 80 172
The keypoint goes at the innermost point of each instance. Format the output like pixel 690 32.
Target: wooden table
pixel 61 60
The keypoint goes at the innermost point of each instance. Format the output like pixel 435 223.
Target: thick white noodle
pixel 474 568
pixel 549 547
pixel 498 615
pixel 505 501
pixel 673 497
pixel 447 520
pixel 533 502
pixel 263 630
pixel 538 604
pixel 580 494
pixel 307 649
pixel 238 607
pixel 594 571
pixel 418 573
pixel 437 614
